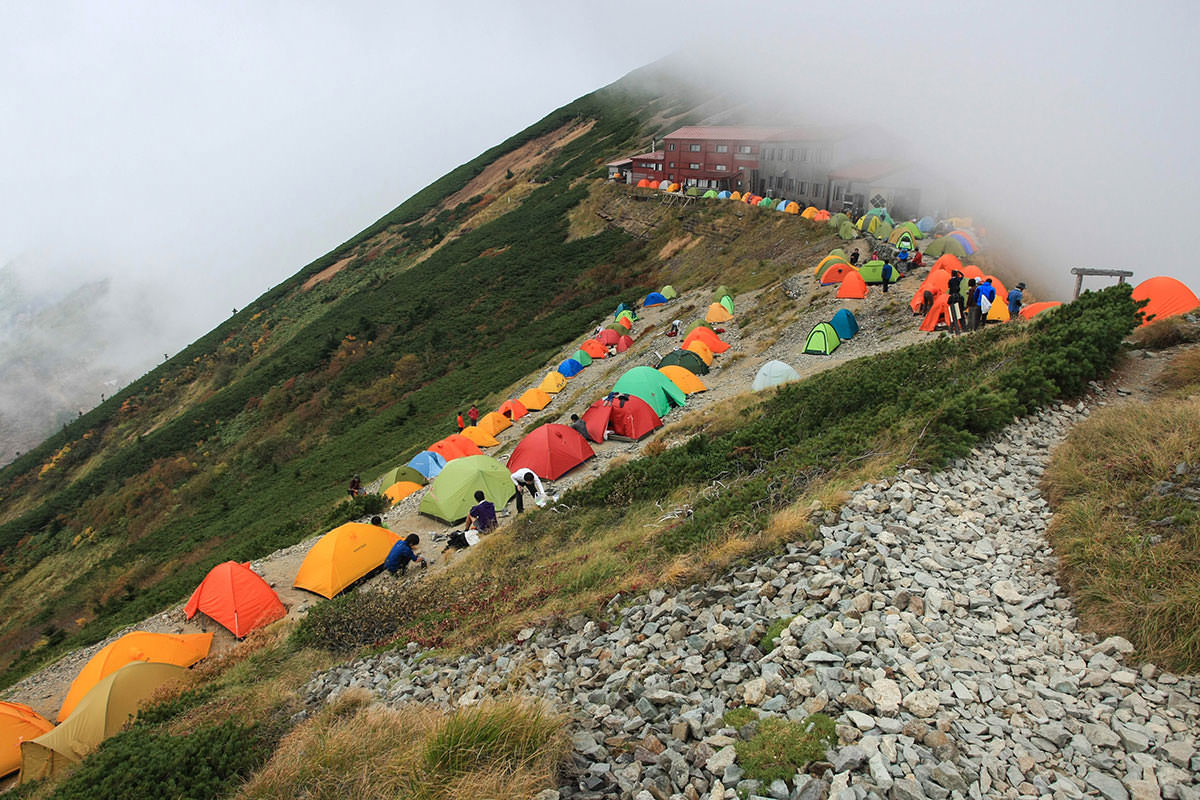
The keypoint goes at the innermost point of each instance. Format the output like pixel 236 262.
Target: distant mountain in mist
pixel 59 353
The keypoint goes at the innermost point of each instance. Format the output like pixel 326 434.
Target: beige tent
pixel 102 712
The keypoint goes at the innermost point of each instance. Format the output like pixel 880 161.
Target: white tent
pixel 773 373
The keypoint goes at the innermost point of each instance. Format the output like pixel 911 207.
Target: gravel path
pixel 926 620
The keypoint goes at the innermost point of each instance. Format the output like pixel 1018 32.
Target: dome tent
pixel 397 474
pixel 684 378
pixel 399 490
pixel 18 722
pixel 629 417
pixel 551 451
pixel 654 299
pixel 686 359
pixel 342 556
pixel 845 324
pixel 594 349
pixel 535 399
pixel 570 368
pixel 702 334
pixel 428 463
pixel 717 313
pixel 235 596
pixel 452 493
pixel 1168 297
pixel 822 340
pixel 653 387
pixel 478 437
pixel 853 287
pixel 773 373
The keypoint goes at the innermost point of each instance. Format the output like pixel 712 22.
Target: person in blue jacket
pixel 402 553
pixel 1014 300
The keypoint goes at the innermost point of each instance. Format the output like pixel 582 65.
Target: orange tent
pixel 735 196
pixel 493 423
pixel 853 286
pixel 625 323
pixel 939 314
pixel 1167 297
pixel 513 409
pixel 182 650
pixel 1033 309
pixel 971 271
pixel 792 208
pixel 836 273
pixel 822 216
pixel 233 595
pixel 827 261
pixel 717 313
pixel 534 399
pixel 480 438
pixel 702 350
pixel 18 722
pixel 948 262
pixel 342 556
pixel 937 282
pixel 684 378
pixel 809 212
pixel 594 348
pixel 706 335
pixel 456 445
pixel 402 489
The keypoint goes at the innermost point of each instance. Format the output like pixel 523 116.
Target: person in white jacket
pixel 527 480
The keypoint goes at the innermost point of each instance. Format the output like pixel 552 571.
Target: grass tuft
pixel 782 748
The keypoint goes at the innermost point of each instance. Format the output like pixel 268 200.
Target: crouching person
pixel 403 552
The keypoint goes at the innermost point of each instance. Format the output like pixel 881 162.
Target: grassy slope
pixel 202 459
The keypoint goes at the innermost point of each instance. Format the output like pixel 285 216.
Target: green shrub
pixel 771 637
pixel 740 717
pixel 143 762
pixel 350 509
pixel 350 621
pixel 782 748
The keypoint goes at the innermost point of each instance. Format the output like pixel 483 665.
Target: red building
pixel 648 166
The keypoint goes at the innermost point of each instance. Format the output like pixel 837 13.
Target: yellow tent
pixel 717 313
pixel 553 383
pixel 535 399
pixel 809 212
pixel 792 208
pixel 400 490
pixel 684 378
pixel 182 650
pixel 342 556
pixel 827 261
pixel 479 436
pixel 701 349
pixel 999 311
pixel 18 722
pixel 494 422
pixel 102 712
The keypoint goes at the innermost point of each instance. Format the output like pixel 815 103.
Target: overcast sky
pixel 200 152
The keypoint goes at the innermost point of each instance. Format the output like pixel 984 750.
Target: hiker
pixel 902 257
pixel 973 315
pixel 987 296
pixel 954 308
pixel 1015 297
pixel 885 274
pixel 461 424
pixel 918 259
pixel 854 259
pixel 473 415
pixel 356 487
pixel 676 326
pixel 580 427
pixel 482 516
pixel 403 552
pixel 526 480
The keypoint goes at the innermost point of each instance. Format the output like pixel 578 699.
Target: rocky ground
pixel 926 620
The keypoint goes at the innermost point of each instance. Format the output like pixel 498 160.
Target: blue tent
pixel 428 463
pixel 782 205
pixel 723 195
pixel 925 224
pixel 845 324
pixel 654 299
pixel 570 368
pixel 620 308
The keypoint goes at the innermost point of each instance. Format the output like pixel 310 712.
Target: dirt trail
pixel 886 324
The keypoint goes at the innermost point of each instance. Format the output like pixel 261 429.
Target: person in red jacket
pixel 473 415
pixel 460 422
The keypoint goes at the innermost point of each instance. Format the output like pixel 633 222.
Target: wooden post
pixel 1078 284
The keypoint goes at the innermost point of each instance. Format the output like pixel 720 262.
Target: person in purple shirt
pixel 482 516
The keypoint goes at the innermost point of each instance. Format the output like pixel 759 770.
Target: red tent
pixel 948 262
pixel 1167 297
pixel 853 286
pixel 624 343
pixel 939 314
pixel 513 409
pixel 235 596
pixel 937 282
pixel 608 336
pixel 836 273
pixel 632 418
pixel 550 451
pixel 625 323
pixel 706 335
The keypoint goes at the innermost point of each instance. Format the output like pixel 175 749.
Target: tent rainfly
pixel 773 373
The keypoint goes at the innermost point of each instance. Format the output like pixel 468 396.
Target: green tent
pixel 846 230
pixel 669 292
pixel 872 272
pixel 397 474
pixel 766 202
pixel 693 192
pixel 883 215
pixel 697 324
pixel 583 358
pixel 822 340
pixel 722 290
pixel 619 328
pixel 656 389
pixel 883 231
pixel 711 194
pixel 452 493
pixel 839 252
pixel 690 361
pixel 912 228
pixel 905 242
pixel 632 317
pixel 939 247
pixel 835 222
pixel 727 302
